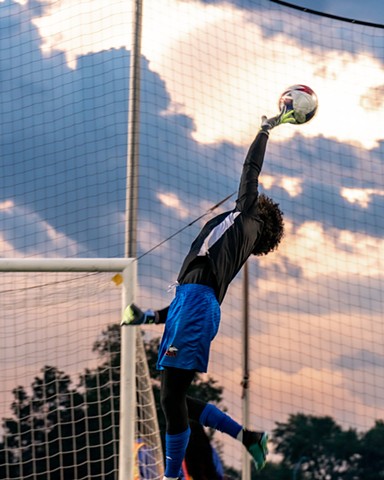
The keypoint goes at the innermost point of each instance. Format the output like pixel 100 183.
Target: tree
pixel 43 433
pixel 102 396
pixel 273 471
pixel 372 456
pixel 73 432
pixel 324 450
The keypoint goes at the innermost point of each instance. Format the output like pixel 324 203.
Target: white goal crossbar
pixel 65 264
pixel 127 268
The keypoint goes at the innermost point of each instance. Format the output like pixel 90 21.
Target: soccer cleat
pixel 259 450
pixel 133 315
pixel 283 117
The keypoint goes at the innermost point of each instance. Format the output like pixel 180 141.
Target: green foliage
pixel 372 455
pixel 72 431
pixel 273 471
pixel 46 432
pixel 319 446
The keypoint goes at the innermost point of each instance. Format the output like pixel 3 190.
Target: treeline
pixel 63 431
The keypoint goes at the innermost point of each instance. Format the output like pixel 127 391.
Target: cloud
pixel 293 186
pixel 170 200
pixel 360 359
pixel 312 391
pixel 89 156
pixel 363 197
pixel 226 73
pixel 65 150
pixel 26 233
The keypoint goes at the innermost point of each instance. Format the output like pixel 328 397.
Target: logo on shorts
pixel 172 351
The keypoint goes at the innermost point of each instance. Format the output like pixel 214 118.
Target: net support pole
pixel 246 464
pixel 129 334
pixel 133 135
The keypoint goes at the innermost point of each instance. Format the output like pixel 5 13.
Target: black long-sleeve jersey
pixel 226 241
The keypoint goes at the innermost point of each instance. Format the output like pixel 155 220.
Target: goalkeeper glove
pixel 134 316
pixel 283 117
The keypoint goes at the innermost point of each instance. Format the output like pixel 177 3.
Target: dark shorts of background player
pixel 192 323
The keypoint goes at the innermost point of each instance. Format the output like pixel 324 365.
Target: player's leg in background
pixel 201 459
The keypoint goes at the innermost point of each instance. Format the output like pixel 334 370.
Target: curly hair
pixel 273 229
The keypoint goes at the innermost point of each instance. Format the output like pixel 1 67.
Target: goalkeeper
pixel 254 227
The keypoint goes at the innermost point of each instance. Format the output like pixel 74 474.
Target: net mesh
pixel 209 71
pixel 60 379
pixel 59 399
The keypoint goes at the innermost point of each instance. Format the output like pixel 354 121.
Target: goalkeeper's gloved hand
pixel 283 117
pixel 133 315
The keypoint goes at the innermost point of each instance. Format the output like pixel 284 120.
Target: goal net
pixel 209 71
pixel 61 388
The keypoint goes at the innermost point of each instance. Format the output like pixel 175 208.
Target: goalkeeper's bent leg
pixel 211 416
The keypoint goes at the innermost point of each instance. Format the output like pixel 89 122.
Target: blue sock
pixel 175 447
pixel 212 417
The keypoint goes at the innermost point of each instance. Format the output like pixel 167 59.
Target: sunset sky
pixel 210 69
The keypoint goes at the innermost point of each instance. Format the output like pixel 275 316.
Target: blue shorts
pixel 192 323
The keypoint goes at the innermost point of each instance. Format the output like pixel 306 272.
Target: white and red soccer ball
pixel 302 100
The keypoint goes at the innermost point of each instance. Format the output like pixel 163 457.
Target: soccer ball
pixel 301 99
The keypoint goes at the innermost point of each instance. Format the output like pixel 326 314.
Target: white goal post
pixel 131 345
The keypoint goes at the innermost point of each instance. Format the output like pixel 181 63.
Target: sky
pixel 209 70
pixel 368 11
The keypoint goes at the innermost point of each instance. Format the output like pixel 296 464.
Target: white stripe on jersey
pixel 218 232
